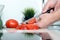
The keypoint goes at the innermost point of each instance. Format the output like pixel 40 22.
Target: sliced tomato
pixel 22 27
pixel 29 26
pixel 32 21
pixel 35 27
pixel 32 27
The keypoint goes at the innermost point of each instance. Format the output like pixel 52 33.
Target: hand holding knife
pixel 37 16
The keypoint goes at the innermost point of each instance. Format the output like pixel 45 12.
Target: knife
pixel 37 16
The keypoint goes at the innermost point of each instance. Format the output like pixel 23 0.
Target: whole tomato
pixel 11 23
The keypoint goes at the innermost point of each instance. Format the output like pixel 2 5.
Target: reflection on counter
pixel 18 36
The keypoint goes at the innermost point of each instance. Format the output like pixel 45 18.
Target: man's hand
pixel 51 4
pixel 46 20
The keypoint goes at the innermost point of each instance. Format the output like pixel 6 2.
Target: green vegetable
pixel 1 24
pixel 1 27
pixel 28 13
pixel 1 34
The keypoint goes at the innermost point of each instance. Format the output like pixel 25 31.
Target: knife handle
pixel 48 11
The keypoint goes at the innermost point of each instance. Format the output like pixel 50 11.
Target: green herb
pixel 28 13
pixel 1 24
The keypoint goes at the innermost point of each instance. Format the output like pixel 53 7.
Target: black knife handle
pixel 48 11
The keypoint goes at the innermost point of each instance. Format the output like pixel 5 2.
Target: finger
pixel 57 6
pixel 49 4
pixel 51 11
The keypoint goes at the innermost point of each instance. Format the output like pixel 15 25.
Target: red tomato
pixel 32 27
pixel 11 23
pixel 32 21
pixel 35 27
pixel 22 27
pixel 29 26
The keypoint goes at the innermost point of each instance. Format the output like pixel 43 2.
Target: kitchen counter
pixel 8 34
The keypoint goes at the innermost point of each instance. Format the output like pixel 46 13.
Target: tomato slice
pixel 35 27
pixel 32 27
pixel 22 27
pixel 29 26
pixel 32 21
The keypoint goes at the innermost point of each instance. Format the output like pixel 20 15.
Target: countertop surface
pixel 12 34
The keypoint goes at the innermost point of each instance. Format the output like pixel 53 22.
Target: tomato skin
pixel 32 27
pixel 35 27
pixel 11 23
pixel 29 26
pixel 32 21
pixel 22 27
